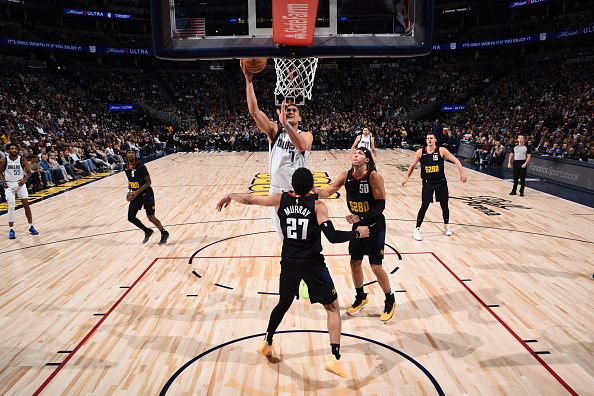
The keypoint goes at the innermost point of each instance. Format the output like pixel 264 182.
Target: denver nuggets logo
pixel 334 291
pixel 261 183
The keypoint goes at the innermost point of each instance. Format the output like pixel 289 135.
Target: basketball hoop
pixel 294 79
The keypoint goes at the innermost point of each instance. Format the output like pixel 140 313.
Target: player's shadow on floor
pixel 459 344
pixel 425 307
pixel 526 269
pixel 354 384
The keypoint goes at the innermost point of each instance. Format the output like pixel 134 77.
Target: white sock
pixel 11 228
pixel 30 225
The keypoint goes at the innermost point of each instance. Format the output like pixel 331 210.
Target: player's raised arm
pixel 262 121
pixel 332 188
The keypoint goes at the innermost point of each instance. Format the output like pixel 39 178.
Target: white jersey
pixel 365 141
pixel 284 160
pixel 14 170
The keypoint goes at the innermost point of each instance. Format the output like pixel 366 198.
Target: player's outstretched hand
pixel 363 231
pixel 352 219
pixel 463 178
pixel 223 203
pixel 404 181
pixel 248 75
pixel 282 113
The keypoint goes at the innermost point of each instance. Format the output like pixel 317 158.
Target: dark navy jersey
pixel 136 175
pixel 301 231
pixel 432 166
pixel 359 194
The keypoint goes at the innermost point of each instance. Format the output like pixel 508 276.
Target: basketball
pixel 254 65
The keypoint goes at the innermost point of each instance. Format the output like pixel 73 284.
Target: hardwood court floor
pixel 85 308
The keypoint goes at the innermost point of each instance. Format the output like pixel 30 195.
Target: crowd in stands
pixel 61 120
pixel 551 104
pixel 63 130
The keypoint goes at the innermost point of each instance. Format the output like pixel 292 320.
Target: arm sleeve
pixel 375 210
pixel 336 236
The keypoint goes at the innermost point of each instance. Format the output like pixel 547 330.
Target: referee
pixel 521 158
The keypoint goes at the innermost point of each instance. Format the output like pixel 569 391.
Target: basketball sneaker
pixel 264 349
pixel 33 231
pixel 359 303
pixel 335 366
pixel 147 235
pixel 447 231
pixel 417 234
pixel 11 234
pixel 164 238
pixel 389 308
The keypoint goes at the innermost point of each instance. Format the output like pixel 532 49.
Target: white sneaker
pixel 417 234
pixel 447 231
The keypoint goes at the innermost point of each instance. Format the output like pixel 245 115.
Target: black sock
pixel 360 292
pixel 268 337
pixel 336 350
pixel 389 295
pixel 163 231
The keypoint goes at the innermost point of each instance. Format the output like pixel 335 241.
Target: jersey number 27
pixel 296 227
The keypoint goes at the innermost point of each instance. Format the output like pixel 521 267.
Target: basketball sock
pixel 389 295
pixel 360 292
pixel 268 337
pixel 30 225
pixel 336 350
pixel 11 228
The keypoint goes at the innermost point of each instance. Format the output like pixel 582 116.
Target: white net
pixel 294 79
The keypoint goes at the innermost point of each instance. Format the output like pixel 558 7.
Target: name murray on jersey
pixel 297 209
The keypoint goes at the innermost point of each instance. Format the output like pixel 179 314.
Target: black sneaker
pixel 164 237
pixel 147 235
pixel 512 193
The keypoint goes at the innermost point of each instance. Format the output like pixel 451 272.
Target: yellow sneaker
pixel 335 366
pixel 357 305
pixel 264 348
pixel 389 308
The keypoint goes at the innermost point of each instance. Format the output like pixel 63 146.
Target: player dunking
pixel 366 200
pixel 14 176
pixel 302 219
pixel 289 147
pixel 141 194
pixel 432 162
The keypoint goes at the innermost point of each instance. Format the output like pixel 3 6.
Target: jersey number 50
pixel 294 226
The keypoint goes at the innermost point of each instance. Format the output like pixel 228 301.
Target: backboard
pixel 227 29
